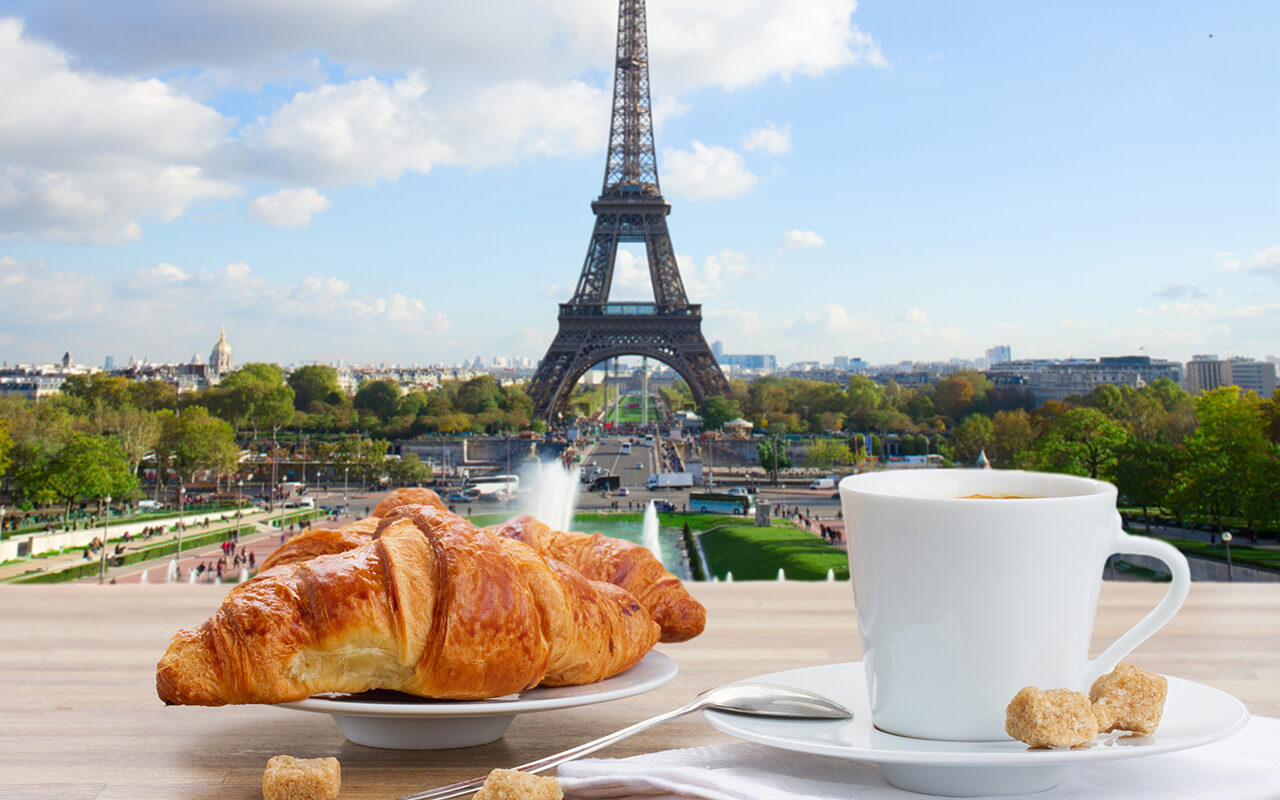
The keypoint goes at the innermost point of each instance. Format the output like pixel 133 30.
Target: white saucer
pixel 1194 715
pixel 396 721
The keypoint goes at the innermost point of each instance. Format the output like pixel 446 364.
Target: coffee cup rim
pixel 1057 487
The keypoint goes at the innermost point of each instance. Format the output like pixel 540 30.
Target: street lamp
pixel 346 480
pixel 1226 539
pixel 182 496
pixel 102 564
pixel 239 505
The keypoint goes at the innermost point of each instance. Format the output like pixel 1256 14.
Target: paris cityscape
pixel 283 300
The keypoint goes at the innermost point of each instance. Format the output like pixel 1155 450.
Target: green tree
pixel 954 396
pixel 1228 446
pixel 409 469
pixel 1080 441
pixel 773 456
pixel 90 466
pixel 1011 435
pixel 479 394
pixel 137 430
pixel 255 397
pixel 1261 502
pixel 6 444
pixel 153 395
pixel 716 411
pixel 314 383
pixel 382 397
pixel 823 454
pixel 970 438
pixel 193 440
pixel 99 390
pixel 1145 472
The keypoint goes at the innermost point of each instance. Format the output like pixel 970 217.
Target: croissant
pixel 622 563
pixel 408 497
pixel 321 541
pixel 431 607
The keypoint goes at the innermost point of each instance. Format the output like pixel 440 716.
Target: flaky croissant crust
pixel 431 607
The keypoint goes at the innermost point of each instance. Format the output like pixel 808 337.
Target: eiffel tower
pixel 630 209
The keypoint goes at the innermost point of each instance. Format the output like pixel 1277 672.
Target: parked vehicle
pixel 670 480
pixel 823 483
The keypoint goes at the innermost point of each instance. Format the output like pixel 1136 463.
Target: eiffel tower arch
pixel 630 209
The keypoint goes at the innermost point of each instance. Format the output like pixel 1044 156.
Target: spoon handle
pixel 466 787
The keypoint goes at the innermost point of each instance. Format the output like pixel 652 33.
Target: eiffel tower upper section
pixel 630 207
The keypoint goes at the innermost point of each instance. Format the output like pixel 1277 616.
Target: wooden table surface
pixel 79 717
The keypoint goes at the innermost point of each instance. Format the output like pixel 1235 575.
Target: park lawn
pixel 1240 554
pixel 752 553
pixel 635 414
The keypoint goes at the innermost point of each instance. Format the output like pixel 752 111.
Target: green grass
pixel 752 553
pixel 1240 554
pixel 636 414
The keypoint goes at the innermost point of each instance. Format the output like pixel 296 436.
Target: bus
pixel 718 503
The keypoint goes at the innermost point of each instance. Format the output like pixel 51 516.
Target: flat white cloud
pixel 693 44
pixel 915 316
pixel 770 140
pixel 800 240
pixel 89 151
pixel 288 208
pixel 86 156
pixel 1265 263
pixel 189 303
pixel 731 323
pixel 706 172
pixel 370 129
pixel 835 320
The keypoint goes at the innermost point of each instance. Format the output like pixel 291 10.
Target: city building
pixel 999 354
pixel 220 358
pixel 753 362
pixel 717 349
pixel 1205 372
pixel 1049 379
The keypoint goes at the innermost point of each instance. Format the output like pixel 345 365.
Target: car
pixel 737 490
pixel 458 497
pixel 639 465
pixel 623 492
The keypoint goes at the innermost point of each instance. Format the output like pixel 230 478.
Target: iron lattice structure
pixel 630 209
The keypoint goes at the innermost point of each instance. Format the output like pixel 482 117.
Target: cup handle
pixel 1160 615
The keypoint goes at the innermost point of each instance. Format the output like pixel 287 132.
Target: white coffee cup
pixel 962 602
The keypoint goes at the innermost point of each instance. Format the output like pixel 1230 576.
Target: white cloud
pixel 731 323
pixel 1265 263
pixel 799 240
pixel 86 156
pixel 693 44
pixel 915 316
pixel 834 319
pixel 705 173
pixel 369 129
pixel 770 139
pixel 288 208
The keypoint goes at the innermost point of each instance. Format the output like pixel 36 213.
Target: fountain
pixel 244 574
pixel 191 576
pixel 649 530
pixel 831 575
pixel 728 577
pixel 143 577
pixel 555 495
pixel 782 574
pixel 171 574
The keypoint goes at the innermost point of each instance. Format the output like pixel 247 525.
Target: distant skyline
pixel 410 181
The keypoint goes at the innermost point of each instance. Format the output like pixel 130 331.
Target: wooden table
pixel 79 717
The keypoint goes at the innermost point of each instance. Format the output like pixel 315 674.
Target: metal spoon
pixel 752 699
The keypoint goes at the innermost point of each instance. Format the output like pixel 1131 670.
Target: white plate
pixel 1194 715
pixel 398 721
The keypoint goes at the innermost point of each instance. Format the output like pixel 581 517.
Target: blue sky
pixel 410 181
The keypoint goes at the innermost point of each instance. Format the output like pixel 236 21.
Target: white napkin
pixel 1245 766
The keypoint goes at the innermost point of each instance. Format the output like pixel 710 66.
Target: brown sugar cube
pixel 289 778
pixel 1129 699
pixel 510 784
pixel 1053 718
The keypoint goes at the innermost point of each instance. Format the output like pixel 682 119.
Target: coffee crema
pixel 998 497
